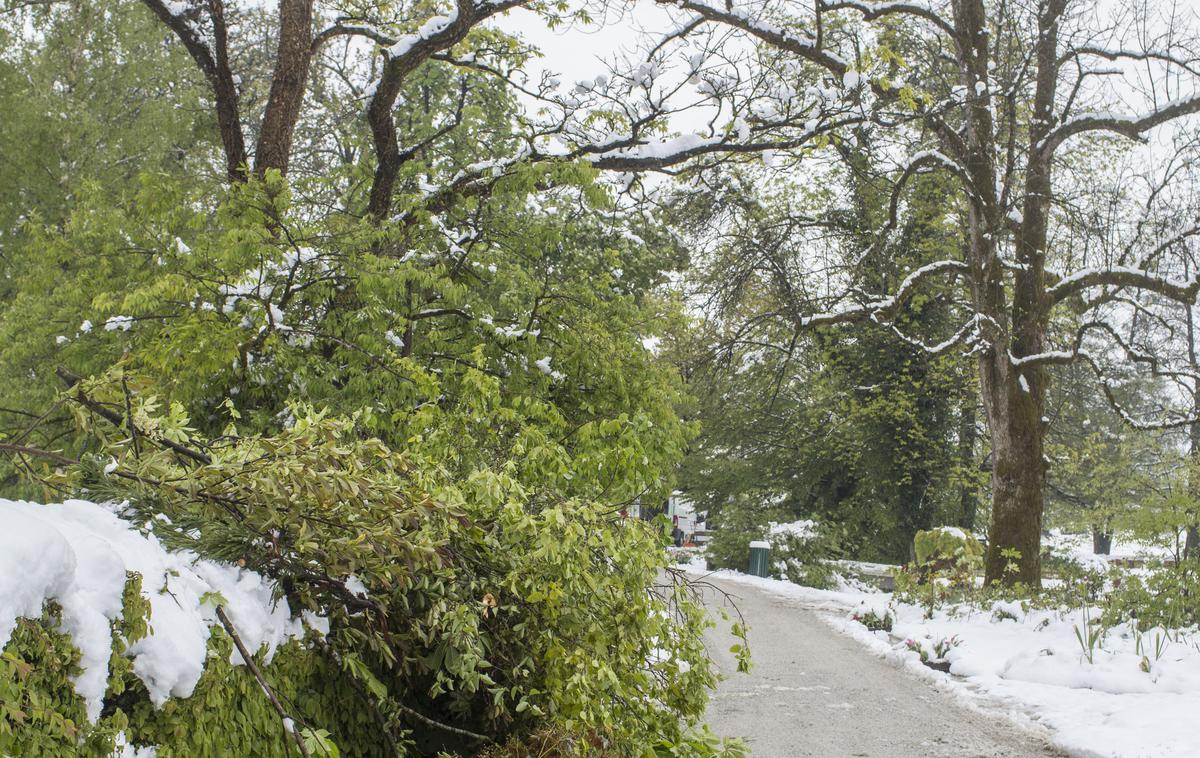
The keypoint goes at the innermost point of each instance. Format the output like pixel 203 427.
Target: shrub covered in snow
pixel 465 609
pixel 112 641
pixel 947 562
pixel 947 546
pixel 803 551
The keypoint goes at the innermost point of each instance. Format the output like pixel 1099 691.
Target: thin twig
pixel 38 453
pixel 72 380
pixel 405 709
pixel 133 432
pixel 262 682
pixel 439 725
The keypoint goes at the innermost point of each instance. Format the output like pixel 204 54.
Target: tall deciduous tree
pixel 448 389
pixel 1000 97
pixel 852 425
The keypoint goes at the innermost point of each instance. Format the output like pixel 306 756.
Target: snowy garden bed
pixel 1124 549
pixel 1127 695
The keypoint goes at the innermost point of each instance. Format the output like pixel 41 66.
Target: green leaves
pixel 360 671
pixel 318 742
pixel 395 421
pixel 741 651
pixel 499 602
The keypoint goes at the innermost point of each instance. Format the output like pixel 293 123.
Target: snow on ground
pixel 78 553
pixel 1078 547
pixel 1031 665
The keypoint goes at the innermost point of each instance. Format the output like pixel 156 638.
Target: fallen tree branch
pixel 38 453
pixel 439 725
pixel 81 397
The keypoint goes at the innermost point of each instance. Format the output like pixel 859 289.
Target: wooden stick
pixel 262 682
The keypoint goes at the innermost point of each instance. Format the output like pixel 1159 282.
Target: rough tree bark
pixel 1012 395
pixel 289 82
pixel 1016 393
pixel 398 65
pixel 1192 540
pixel 214 64
pixel 1191 545
pixel 967 433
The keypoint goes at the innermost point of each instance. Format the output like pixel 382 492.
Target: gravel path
pixel 816 692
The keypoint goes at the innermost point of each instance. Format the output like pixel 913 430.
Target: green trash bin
pixel 760 551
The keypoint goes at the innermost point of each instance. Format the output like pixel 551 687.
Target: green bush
pixel 493 608
pixel 378 410
pixel 801 559
pixel 1165 596
pixel 947 547
pixel 947 561
pixel 808 560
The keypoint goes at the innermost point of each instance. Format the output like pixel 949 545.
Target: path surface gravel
pixel 816 692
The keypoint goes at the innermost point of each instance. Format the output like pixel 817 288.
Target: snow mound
pixel 953 531
pixel 78 553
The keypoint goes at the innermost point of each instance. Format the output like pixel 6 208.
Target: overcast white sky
pixel 577 51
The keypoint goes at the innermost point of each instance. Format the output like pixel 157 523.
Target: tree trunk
pixel 1192 541
pixel 969 495
pixel 213 61
pixel 1015 394
pixel 1013 399
pixel 1101 541
pixel 288 85
pixel 1191 544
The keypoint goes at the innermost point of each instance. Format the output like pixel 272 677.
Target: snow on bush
pixel 78 553
pixel 804 529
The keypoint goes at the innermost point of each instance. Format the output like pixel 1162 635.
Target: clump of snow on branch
pixel 804 529
pixel 543 365
pixel 78 553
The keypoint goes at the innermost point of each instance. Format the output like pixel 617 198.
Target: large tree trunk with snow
pixel 1014 406
pixel 1013 390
